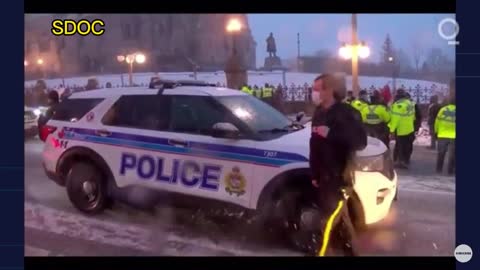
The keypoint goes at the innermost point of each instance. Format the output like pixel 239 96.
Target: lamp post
pixel 391 60
pixel 354 51
pixel 40 63
pixel 234 26
pixel 137 57
pixel 235 70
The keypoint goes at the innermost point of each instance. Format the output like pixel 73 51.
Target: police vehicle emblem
pixel 235 182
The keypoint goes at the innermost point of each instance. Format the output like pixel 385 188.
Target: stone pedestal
pixel 273 62
pixel 236 72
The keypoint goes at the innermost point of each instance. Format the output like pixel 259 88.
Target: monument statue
pixel 271 46
pixel 272 61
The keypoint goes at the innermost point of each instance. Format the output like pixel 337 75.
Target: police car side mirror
pixel 299 116
pixel 225 130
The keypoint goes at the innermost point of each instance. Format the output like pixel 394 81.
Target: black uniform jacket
pixel 330 157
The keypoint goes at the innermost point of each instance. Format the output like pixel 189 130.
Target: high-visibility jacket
pixel 267 92
pixel 258 93
pixel 375 114
pixel 247 90
pixel 358 104
pixel 445 122
pixel 402 117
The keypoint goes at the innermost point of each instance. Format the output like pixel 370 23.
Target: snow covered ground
pixel 423 135
pixel 254 78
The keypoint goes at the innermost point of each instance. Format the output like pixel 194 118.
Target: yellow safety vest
pixel 445 122
pixel 375 114
pixel 358 104
pixel 246 90
pixel 258 93
pixel 402 117
pixel 267 92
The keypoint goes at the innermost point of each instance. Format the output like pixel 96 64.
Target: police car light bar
pixel 170 84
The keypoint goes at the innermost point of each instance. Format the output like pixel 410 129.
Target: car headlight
pixel 370 164
pixel 37 112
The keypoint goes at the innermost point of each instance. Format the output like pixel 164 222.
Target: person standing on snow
pixel 337 133
pixel 360 102
pixel 375 117
pixel 433 109
pixel 445 131
pixel 53 101
pixel 402 128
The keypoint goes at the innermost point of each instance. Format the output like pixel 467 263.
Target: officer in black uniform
pixel 53 101
pixel 337 132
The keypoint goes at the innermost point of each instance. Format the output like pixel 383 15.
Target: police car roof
pixel 180 90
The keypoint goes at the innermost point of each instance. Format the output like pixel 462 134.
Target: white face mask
pixel 316 98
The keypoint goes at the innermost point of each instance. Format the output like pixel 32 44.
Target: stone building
pixel 171 42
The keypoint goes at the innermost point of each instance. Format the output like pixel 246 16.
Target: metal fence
pixel 296 93
pixel 420 94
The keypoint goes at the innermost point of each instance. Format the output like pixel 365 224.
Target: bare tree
pixel 418 54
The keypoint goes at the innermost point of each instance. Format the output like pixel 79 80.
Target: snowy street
pixel 421 223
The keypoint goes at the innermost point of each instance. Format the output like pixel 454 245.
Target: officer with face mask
pixel 337 133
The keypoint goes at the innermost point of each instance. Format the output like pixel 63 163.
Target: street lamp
pixel 234 26
pixel 391 60
pixel 137 57
pixel 40 61
pixel 354 51
pixel 25 63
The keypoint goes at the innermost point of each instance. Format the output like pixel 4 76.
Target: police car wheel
pixel 86 189
pixel 299 222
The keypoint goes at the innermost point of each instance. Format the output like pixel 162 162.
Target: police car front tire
pixel 86 188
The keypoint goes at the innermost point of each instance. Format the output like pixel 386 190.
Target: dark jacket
pixel 418 117
pixel 43 119
pixel 433 110
pixel 330 157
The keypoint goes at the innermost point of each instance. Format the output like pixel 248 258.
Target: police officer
pixel 247 90
pixel 257 91
pixel 361 102
pixel 375 117
pixel 433 110
pixel 337 132
pixel 267 94
pixel 53 101
pixel 445 131
pixel 418 113
pixel 350 97
pixel 402 128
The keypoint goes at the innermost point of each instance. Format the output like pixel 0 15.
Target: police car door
pixel 224 169
pixel 135 142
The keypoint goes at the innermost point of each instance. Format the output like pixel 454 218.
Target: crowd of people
pixel 401 118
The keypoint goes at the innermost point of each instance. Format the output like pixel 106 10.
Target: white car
pixel 205 142
pixel 30 117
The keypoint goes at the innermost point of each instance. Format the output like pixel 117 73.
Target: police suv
pixel 198 141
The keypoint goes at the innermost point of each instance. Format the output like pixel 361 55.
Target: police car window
pixel 196 114
pixel 74 109
pixel 254 113
pixel 144 112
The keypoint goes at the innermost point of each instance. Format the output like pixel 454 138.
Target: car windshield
pixel 255 113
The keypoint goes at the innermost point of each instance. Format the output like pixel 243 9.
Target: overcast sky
pixel 328 31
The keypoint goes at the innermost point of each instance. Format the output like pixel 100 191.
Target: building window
pixel 169 25
pixel 138 29
pixel 44 46
pixel 127 31
pixel 160 28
